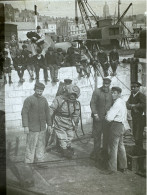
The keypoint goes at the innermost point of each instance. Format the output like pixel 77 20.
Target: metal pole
pixel 35 8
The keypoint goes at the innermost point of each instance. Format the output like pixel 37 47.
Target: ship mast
pixel 119 9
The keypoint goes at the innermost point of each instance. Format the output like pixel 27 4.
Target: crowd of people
pixel 109 113
pixel 36 58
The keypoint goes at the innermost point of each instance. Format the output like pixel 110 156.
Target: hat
pixel 38 27
pixel 59 50
pixel 6 43
pixel 118 89
pixel 67 81
pixel 39 51
pixel 50 49
pixel 136 83
pixel 39 86
pixel 24 46
pixel 106 80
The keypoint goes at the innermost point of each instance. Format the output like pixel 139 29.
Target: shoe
pixel 107 172
pixel 56 80
pixel 46 80
pixel 70 149
pixel 5 81
pixel 92 155
pixel 67 154
pixel 123 170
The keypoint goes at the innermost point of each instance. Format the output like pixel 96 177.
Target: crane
pixel 104 32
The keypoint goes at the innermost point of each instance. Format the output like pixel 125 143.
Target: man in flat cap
pixel 35 116
pixel 116 116
pixel 137 104
pixel 100 103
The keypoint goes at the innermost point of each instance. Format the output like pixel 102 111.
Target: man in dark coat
pixel 19 65
pixel 51 64
pixel 100 103
pixel 137 104
pixel 103 59
pixel 114 60
pixel 39 62
pixel 35 116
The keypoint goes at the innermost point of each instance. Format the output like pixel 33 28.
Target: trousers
pixel 35 147
pixel 37 70
pixel 116 149
pixel 114 65
pixel 99 128
pixel 64 137
pixel 54 72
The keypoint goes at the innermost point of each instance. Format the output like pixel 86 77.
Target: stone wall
pixel 15 94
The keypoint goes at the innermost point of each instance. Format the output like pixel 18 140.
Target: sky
pixel 63 8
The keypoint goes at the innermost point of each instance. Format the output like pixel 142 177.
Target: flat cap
pixel 50 49
pixel 38 27
pixel 59 50
pixel 118 89
pixel 24 46
pixel 106 80
pixel 67 81
pixel 39 85
pixel 39 51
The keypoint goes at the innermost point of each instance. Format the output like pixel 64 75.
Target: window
pixel 114 31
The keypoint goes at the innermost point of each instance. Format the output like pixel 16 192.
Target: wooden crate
pixel 136 163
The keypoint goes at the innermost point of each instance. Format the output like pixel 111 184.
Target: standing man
pixel 117 115
pixel 137 104
pixel 114 60
pixel 100 103
pixel 35 116
pixel 51 64
pixel 103 59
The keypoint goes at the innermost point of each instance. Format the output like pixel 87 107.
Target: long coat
pixel 35 113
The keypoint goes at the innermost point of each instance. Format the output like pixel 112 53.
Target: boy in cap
pixel 101 102
pixel 7 67
pixel 137 104
pixel 51 64
pixel 35 116
pixel 65 110
pixel 114 60
pixel 103 59
pixel 39 62
pixel 116 116
pixel 19 65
